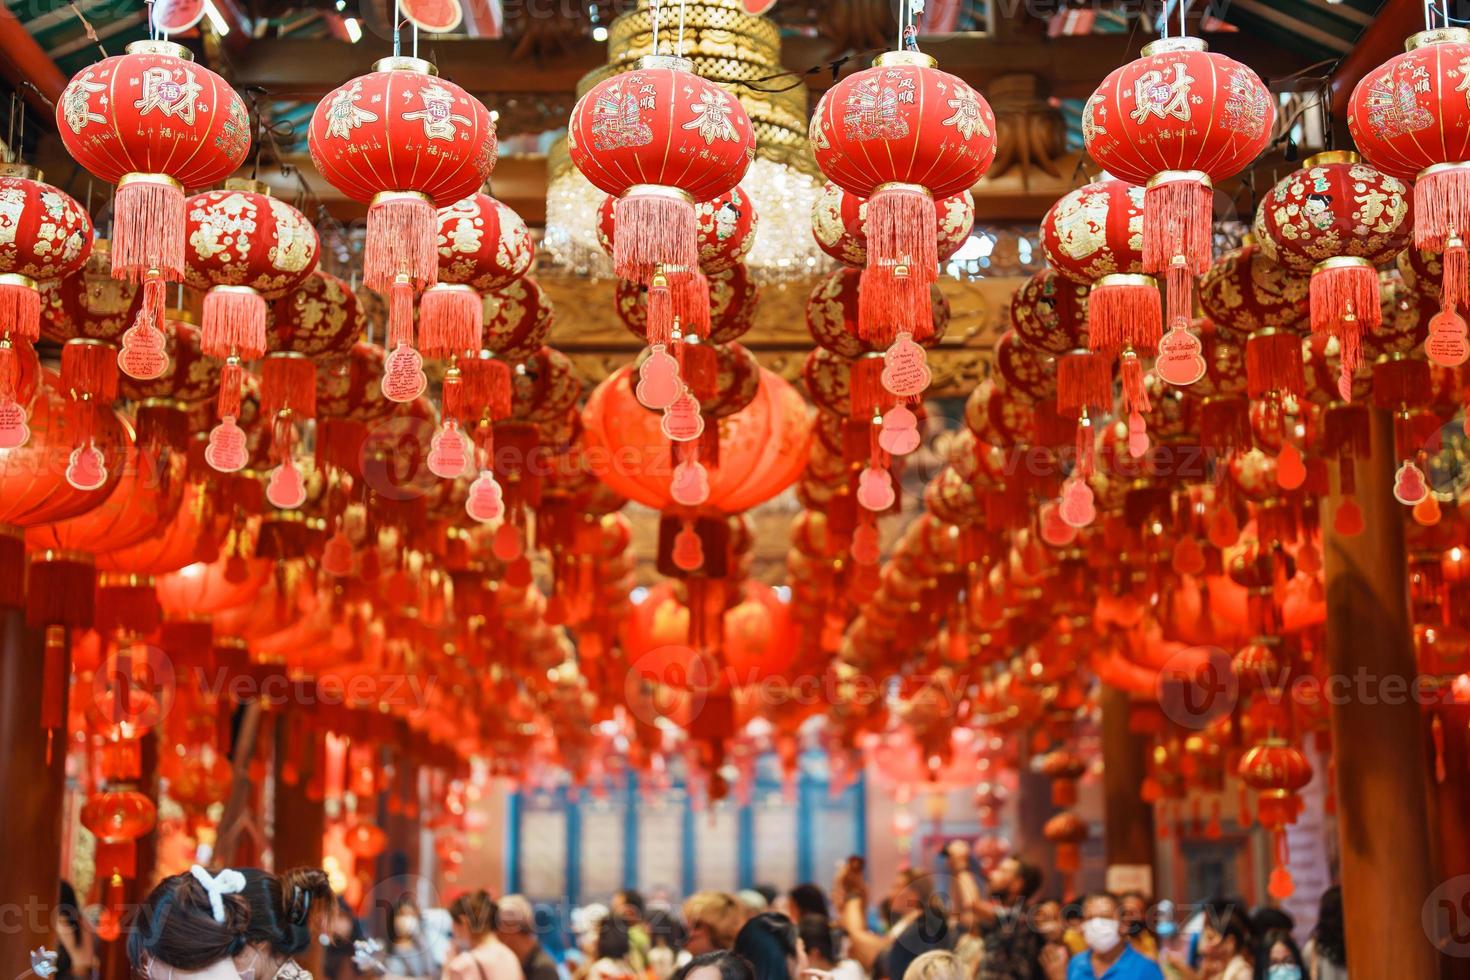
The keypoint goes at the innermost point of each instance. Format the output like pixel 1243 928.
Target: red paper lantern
pixel 483 245
pixel 1177 120
pixel 518 319
pixel 753 642
pixel 901 134
pixel 1028 374
pixel 997 419
pixel 1095 231
pixel 89 302
pixel 832 314
pixel 320 317
pixel 727 229
pixel 1049 313
pixel 544 387
pixel 1277 771
pixel 660 139
pixel 406 143
pixel 1337 218
pixel 1246 290
pixel 152 122
pixel 839 222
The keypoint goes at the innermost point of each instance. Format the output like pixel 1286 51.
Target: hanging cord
pixel 397 28
pixel 87 26
pixel 681 28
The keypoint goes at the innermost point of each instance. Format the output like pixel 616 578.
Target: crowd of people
pixel 949 924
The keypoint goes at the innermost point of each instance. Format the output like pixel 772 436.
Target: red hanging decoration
pixel 1125 311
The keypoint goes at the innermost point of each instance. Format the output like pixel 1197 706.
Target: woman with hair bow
pixel 192 927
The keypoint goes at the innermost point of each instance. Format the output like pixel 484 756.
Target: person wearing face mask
pixel 408 956
pixel 191 927
pixel 1279 958
pixel 281 910
pixel 1108 955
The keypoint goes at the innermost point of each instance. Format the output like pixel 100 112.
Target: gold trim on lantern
pixel 93 341
pixel 22 170
pixel 61 554
pixel 16 279
pixel 141 178
pixel 1271 332
pixel 405 63
pixel 383 197
pixel 1127 279
pixel 1340 262
pixel 912 59
pixel 1171 176
pixel 898 185
pixel 658 190
pixel 1331 156
pixel 169 403
pixel 248 184
pixel 669 61
pixel 169 48
pixel 445 287
pixel 234 289
pixel 1440 35
pixel 1168 45
pixel 1440 168
pixel 284 354
pixel 114 580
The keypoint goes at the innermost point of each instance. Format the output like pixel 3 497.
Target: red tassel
pixel 1344 304
pixel 162 424
pixel 1400 383
pixel 1180 296
pixel 1225 423
pixel 866 395
pixel 89 371
pixel 452 404
pixel 400 312
pixel 288 384
pixel 1280 887
pixel 1125 311
pixel 660 310
pixel 690 293
pixel 126 604
pixel 450 320
pixel 54 681
pixel 234 323
pixel 1273 363
pixel 231 384
pixel 1178 210
pixel 893 299
pixel 1441 206
pixel 903 229
pixel 148 228
pixel 20 308
pixel 61 590
pixel 1455 283
pixel 1135 402
pixel 1084 382
pixel 339 444
pixel 654 226
pixel 402 241
pixel 700 367
pixel 487 388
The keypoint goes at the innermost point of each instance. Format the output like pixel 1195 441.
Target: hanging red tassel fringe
pixel 148 228
pixel 486 388
pixel 903 229
pixel 1455 280
pixel 126 604
pixel 1178 211
pixel 61 589
pixel 1441 206
pixel 866 394
pixel 894 299
pixel 1280 886
pixel 162 424
pixel 1135 401
pixel 1273 363
pixel 12 567
pixel 1084 382
pixel 89 375
pixel 1344 304
pixel 231 385
pixel 660 310
pixel 1125 311
pixel 699 366
pixel 451 318
pixel 234 323
pixel 1401 382
pixel 288 383
pixel 654 226
pixel 20 308
pixel 400 312
pixel 339 444
pixel 690 294
pixel 1225 423
pixel 402 240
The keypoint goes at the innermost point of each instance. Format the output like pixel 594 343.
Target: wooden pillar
pixel 1128 821
pixel 1033 808
pixel 1383 819
pixel 30 820
pixel 299 822
pixel 1450 805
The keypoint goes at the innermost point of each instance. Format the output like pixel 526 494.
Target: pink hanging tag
pixel 875 489
pixel 1077 507
pixel 286 490
pixel 1446 342
pixel 403 374
pixel 1138 441
pixel 507 544
pixel 905 368
pixel 1291 472
pixel 226 450
pixel 14 427
pixel 658 379
pixel 485 503
pixel 144 354
pixel 865 550
pixel 1180 361
pixel 1055 531
pixel 689 486
pixel 1409 485
pixel 900 433
pixel 87 468
pixel 449 452
pixel 337 555
pixel 682 421
pixel 688 550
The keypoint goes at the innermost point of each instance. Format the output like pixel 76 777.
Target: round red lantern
pixel 832 314
pixel 1028 374
pixel 901 134
pixel 152 122
pixel 483 245
pixel 405 142
pixel 839 223
pixel 518 319
pixel 997 419
pixel 1178 119
pixel 1095 231
pixel 1246 290
pixel 321 317
pixel 1049 313
pixel 89 302
pixel 660 139
pixel 1277 771
pixel 726 224
pixel 544 387
pixel 733 299
pixel 1338 218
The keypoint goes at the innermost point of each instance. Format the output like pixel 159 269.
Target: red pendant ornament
pixel 483 245
pixel 405 142
pixel 1338 218
pixel 660 139
pixel 1277 771
pixel 152 122
pixel 1178 120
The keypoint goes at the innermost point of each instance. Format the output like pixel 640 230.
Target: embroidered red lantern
pixel 1408 118
pixel 245 247
pixel 320 317
pixel 406 143
pixel 483 246
pixel 1338 219
pixel 902 134
pixel 1277 771
pixel 152 122
pixel 660 139
pixel 832 314
pixel 840 219
pixel 726 225
pixel 518 319
pixel 1049 313
pixel 89 302
pixel 1246 290
pixel 1178 119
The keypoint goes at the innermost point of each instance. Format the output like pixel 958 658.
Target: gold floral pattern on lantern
pixel 89 303
pixel 832 314
pixel 44 233
pixel 239 237
pixel 518 319
pixel 483 244
pixel 1335 206
pixel 1245 290
pixel 321 316
pixel 1049 313
pixel 1095 231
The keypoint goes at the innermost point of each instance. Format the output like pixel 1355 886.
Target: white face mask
pixel 1101 934
pixel 1284 971
pixel 406 925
